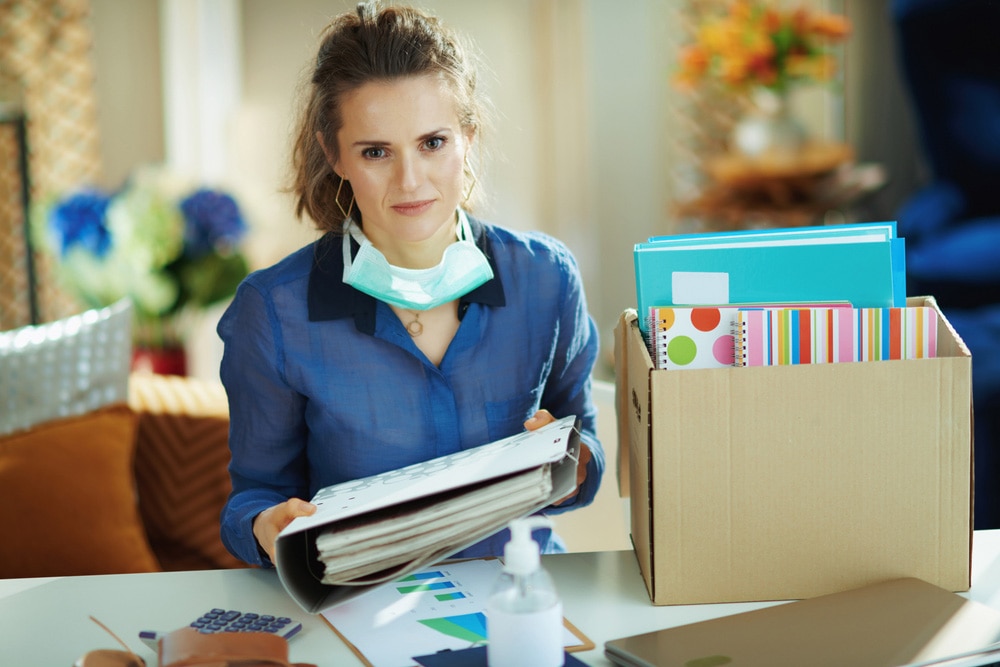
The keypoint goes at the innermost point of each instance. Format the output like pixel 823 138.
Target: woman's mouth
pixel 412 208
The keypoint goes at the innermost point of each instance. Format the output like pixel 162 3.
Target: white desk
pixel 45 621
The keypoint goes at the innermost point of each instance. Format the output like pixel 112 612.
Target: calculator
pixel 232 620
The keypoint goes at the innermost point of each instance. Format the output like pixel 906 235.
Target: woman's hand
pixel 540 419
pixel 273 520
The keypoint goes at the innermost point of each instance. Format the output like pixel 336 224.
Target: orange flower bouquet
pixel 756 44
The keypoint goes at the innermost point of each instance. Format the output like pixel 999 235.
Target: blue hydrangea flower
pixel 80 220
pixel 213 222
pixel 170 250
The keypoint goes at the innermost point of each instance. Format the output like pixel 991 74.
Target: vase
pixel 768 127
pixel 159 360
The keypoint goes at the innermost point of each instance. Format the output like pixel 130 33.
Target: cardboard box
pixel 788 482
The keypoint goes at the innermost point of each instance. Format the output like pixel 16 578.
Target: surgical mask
pixel 463 268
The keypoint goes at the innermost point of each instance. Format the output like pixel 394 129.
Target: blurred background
pixel 592 142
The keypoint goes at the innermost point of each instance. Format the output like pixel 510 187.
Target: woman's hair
pixel 371 44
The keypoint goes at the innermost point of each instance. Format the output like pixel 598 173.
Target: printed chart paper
pixel 438 608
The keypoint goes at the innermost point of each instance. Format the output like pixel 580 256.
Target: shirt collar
pixel 330 298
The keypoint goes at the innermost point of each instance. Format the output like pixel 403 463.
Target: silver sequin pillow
pixel 64 368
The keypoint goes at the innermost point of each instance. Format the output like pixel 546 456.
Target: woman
pixel 409 330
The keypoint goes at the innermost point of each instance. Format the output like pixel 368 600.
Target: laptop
pixel 898 623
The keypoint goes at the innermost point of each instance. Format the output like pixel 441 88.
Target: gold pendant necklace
pixel 416 327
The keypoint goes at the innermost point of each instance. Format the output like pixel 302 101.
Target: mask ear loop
pixel 350 206
pixel 475 180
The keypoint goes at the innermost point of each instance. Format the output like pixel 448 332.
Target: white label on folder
pixel 696 287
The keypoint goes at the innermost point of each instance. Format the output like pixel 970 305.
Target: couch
pixel 134 486
pixel 104 470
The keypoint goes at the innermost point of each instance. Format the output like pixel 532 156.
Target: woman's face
pixel 402 149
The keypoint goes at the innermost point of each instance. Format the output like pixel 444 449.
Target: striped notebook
pixel 788 336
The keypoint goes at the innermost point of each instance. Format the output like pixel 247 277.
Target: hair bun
pixel 368 11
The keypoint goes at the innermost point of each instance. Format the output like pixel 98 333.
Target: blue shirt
pixel 325 385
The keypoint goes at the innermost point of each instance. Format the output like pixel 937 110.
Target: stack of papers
pixel 427 529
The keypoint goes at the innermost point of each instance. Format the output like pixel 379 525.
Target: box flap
pixel 634 399
pixel 950 344
pixel 622 401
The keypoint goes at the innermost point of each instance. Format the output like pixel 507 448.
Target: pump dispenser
pixel 524 625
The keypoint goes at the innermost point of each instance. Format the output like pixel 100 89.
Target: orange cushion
pixel 182 468
pixel 67 498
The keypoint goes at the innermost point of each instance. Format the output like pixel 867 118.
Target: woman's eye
pixel 373 153
pixel 434 143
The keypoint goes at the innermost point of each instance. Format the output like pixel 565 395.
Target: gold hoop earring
pixel 475 180
pixel 336 197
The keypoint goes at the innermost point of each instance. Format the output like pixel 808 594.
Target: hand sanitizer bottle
pixel 524 618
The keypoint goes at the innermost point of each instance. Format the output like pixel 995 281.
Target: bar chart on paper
pixel 435 580
pixel 423 613
pixel 468 627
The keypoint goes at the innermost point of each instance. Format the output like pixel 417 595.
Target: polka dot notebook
pixel 695 337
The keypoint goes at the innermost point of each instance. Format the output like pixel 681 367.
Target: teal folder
pixel 881 230
pixel 866 274
pixel 899 272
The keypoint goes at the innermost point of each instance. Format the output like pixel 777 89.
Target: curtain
pixel 45 58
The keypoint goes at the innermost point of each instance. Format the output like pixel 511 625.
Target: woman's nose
pixel 409 172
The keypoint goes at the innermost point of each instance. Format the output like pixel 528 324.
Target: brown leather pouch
pixel 189 648
pixel 105 657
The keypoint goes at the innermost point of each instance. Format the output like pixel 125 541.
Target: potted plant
pixel 761 50
pixel 172 248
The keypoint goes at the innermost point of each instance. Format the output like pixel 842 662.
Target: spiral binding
pixel 739 331
pixel 657 345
